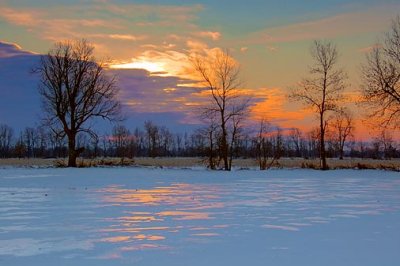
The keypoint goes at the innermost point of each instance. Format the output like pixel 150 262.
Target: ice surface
pixel 135 216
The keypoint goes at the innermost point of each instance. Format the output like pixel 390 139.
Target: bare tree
pixel 75 89
pixel 341 130
pixel 381 79
pixel 322 91
pixel 220 74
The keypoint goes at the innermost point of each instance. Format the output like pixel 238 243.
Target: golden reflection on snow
pixel 148 237
pixel 143 247
pixel 115 239
pixel 136 229
pixel 172 195
pixel 182 215
pixel 206 234
pixel 176 206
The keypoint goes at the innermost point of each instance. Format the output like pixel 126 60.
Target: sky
pixel 147 44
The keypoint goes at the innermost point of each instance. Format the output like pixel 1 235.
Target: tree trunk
pixel 211 152
pixel 72 154
pixel 225 152
pixel 224 146
pixel 323 165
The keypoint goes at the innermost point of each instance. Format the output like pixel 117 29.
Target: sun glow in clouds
pixel 168 63
pixel 141 64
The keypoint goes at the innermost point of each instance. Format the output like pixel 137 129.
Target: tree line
pixel 264 143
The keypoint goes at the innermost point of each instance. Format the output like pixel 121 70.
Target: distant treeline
pixel 158 141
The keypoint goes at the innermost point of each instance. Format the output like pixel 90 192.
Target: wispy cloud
pixel 123 37
pixel 340 25
pixel 214 35
pixel 117 23
pixel 369 48
pixel 19 17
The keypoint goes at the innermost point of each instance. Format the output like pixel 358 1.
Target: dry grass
pixel 180 162
pixel 27 162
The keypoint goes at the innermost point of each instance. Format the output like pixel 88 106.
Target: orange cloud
pixel 273 106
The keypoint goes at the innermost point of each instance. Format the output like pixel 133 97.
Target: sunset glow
pixel 149 47
pixel 147 65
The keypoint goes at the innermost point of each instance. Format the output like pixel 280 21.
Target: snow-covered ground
pixel 134 216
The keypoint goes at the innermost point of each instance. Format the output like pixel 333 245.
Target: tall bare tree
pixel 220 74
pixel 381 79
pixel 322 91
pixel 75 89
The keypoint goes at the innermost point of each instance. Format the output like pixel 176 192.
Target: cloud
pixel 19 17
pixel 144 95
pixel 143 92
pixel 272 48
pixel 11 50
pixel 369 49
pixel 123 37
pixel 214 35
pixel 107 25
pixel 165 63
pixel 344 24
pixel 66 21
pixel 271 104
pixel 196 45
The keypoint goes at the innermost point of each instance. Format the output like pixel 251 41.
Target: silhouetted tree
pixel 220 74
pixel 75 89
pixel 322 92
pixel 381 79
